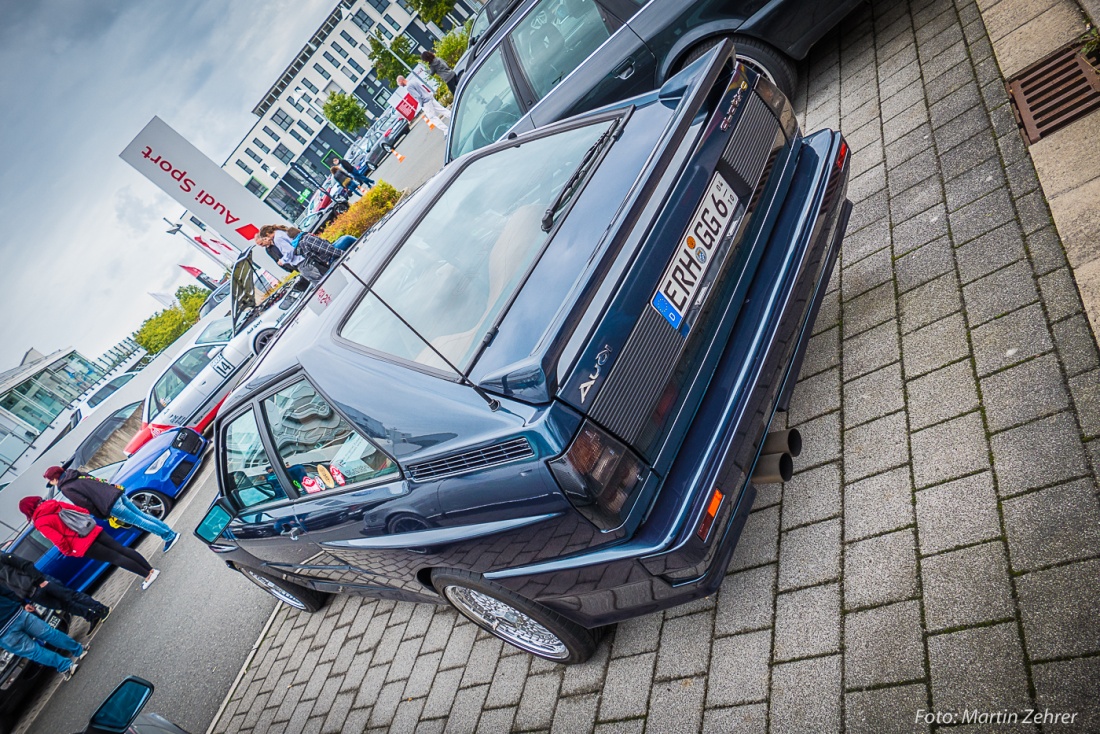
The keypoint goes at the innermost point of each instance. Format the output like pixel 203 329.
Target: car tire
pixel 757 55
pixel 291 594
pixel 543 632
pixel 262 340
pixel 152 503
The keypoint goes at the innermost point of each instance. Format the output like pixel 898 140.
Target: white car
pixel 86 407
pixel 190 391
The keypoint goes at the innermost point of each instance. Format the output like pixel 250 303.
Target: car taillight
pixel 599 475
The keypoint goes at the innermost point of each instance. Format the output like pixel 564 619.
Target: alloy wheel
pixel 507 622
pixel 150 504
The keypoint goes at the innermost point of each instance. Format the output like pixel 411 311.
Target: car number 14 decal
pixel 685 273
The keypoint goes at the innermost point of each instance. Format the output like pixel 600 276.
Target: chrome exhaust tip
pixel 779 442
pixel 773 469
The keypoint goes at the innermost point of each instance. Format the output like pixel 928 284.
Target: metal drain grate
pixel 1055 91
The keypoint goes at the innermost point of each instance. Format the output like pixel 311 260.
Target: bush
pixel 363 214
pixel 451 46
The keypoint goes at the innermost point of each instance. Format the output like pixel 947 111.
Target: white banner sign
pixel 182 171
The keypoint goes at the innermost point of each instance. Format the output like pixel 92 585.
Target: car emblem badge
pixel 601 359
pixel 734 104
pixel 701 256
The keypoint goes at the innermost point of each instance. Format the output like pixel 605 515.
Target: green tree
pixel 433 10
pixel 164 327
pixel 386 67
pixel 345 112
pixel 451 47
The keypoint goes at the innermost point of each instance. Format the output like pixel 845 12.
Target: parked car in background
pixel 86 407
pixel 191 389
pixel 554 58
pixel 327 202
pixel 153 478
pixel 541 390
pixel 19 676
pixel 212 301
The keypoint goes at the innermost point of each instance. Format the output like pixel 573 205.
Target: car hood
pixel 242 293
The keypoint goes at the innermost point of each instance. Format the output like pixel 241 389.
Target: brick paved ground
pixel 939 548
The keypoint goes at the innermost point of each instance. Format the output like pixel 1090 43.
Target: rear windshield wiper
pixel 573 184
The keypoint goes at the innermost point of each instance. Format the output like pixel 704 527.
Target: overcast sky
pixel 83 242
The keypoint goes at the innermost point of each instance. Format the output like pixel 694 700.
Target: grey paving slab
pixel 871 350
pixel 980 668
pixel 874 307
pixel 676 706
pixel 1023 393
pixel 878 504
pixel 806 691
pixel 1038 454
pixel 948 450
pixel 999 293
pixel 759 543
pixel 930 302
pixel 873 395
pixel 1060 295
pixel 880 570
pixel 746 601
pixel 933 346
pixel 807 622
pixel 822 353
pixel 1010 340
pixel 809 555
pixel 1069 686
pixel 739 672
pixel 685 646
pixel 942 394
pixel 876 446
pixel 1053 525
pixel 820 441
pixel 1059 607
pixel 886 710
pixel 750 719
pixel 883 646
pixel 957 513
pixel 967 587
pixel 1076 345
pixel 812 496
pixel 814 396
pixel 1046 251
pixel 991 251
pixel 1085 390
pixel 626 690
pixel 870 272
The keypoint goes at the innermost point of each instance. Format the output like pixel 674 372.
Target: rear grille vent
pixel 750 144
pixel 1055 91
pixel 501 453
pixel 188 440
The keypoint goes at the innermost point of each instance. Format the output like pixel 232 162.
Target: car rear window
pixel 456 272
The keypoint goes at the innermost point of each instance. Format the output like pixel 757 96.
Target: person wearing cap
pixel 24 633
pixel 45 515
pixel 25 580
pixel 105 500
pixel 422 93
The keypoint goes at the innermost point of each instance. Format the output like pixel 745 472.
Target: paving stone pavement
pixel 939 548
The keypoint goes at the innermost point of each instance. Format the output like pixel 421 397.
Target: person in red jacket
pixel 97 545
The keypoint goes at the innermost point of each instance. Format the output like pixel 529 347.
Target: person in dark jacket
pixel 45 515
pixel 105 500
pixel 439 67
pixel 24 633
pixel 342 168
pixel 22 577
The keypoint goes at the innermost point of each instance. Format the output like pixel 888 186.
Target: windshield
pixel 456 272
pixel 486 109
pixel 109 389
pixel 219 331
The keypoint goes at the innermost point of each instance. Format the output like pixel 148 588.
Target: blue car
pixel 153 478
pixel 541 390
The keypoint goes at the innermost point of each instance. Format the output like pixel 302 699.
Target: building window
pixel 347 37
pixel 252 154
pixel 282 119
pixel 331 59
pixel 320 120
pixel 260 144
pixel 405 6
pixel 295 104
pixel 362 20
pixel 263 167
pixel 271 133
pixel 385 32
pixel 379 5
pixel 310 85
pixel 283 153
pixel 242 165
pixel 393 23
pixel 305 127
pixel 321 70
pixel 350 74
pixel 256 187
pixel 294 134
pixel 306 98
pixel 339 49
pixel 355 65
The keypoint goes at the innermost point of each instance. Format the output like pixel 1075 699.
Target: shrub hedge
pixel 363 214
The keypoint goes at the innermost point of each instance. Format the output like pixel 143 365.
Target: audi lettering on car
pixel 543 391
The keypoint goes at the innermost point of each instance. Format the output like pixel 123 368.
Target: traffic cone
pixel 431 125
pixel 400 158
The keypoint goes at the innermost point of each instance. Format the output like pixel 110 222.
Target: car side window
pixel 319 449
pixel 556 37
pixel 179 375
pixel 248 473
pixel 487 107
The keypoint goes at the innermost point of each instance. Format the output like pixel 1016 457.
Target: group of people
pixel 72 529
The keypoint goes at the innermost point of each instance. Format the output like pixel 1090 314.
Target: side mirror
pixel 119 710
pixel 215 521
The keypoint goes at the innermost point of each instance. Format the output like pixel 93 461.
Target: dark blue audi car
pixel 153 478
pixel 538 391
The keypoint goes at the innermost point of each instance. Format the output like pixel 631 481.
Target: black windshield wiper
pixel 573 184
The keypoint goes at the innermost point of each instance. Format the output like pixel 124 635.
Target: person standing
pixel 423 95
pixel 343 168
pixel 97 545
pixel 105 500
pixel 25 634
pixel 25 580
pixel 439 67
pixel 297 247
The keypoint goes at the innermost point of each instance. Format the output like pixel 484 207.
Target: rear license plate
pixel 708 226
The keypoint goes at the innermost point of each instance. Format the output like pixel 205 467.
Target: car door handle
pixel 293 531
pixel 624 71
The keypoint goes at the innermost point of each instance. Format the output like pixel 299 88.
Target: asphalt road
pixel 188 634
pixel 423 151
